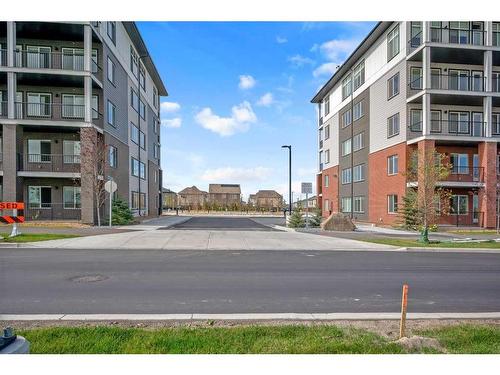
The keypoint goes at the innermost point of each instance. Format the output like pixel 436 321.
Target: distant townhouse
pixel 224 195
pixel 69 93
pixel 170 200
pixel 311 203
pixel 266 199
pixel 412 86
pixel 192 198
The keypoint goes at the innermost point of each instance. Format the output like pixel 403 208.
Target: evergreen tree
pixel 121 212
pixel 296 219
pixel 316 218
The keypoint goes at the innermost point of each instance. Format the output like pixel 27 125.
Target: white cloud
pixel 266 100
pixel 242 116
pixel 246 82
pixel 306 172
pixel 230 174
pixel 325 69
pixel 299 61
pixel 281 39
pixel 172 123
pixel 169 107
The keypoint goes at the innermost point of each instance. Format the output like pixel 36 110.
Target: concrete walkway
pixel 211 240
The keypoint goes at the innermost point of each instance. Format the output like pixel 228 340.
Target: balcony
pixel 446 35
pixel 39 59
pixel 462 219
pixel 466 174
pixel 464 128
pixel 51 211
pixel 49 163
pixel 53 112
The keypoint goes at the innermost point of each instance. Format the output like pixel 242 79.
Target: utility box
pixel 13 344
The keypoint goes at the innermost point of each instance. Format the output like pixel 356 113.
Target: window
pixel 155 97
pixel 459 205
pixel 71 152
pixel 496 34
pixel 435 121
pixel 358 110
pixel 142 109
pixel 392 204
pixel 111 71
pixel 326 205
pixel 495 123
pixel 346 118
pixel 113 156
pixel 327 180
pixel 460 163
pixel 73 59
pixel 134 62
pixel 72 197
pixel 39 104
pixel 346 147
pixel 73 106
pixel 393 86
pixel 359 204
pixel 346 87
pixel 137 136
pixel 495 83
pixel 38 57
pixel 359 75
pixel 327 156
pixel 134 100
pixel 359 141
pixel 39 196
pixel 416 120
pixel 458 80
pixel 111 114
pixel 392 165
pixel 135 200
pixel 416 78
pixel 142 77
pixel 39 151
pixel 416 34
pixel 393 43
pixel 111 29
pixel 138 168
pixel 327 131
pixel 436 78
pixel 327 105
pixel 458 122
pixel 346 176
pixel 346 204
pixel 393 125
pixel 358 173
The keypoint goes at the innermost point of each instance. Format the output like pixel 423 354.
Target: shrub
pixel 315 220
pixel 296 219
pixel 122 215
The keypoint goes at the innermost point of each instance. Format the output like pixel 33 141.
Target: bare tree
pixel 94 151
pixel 428 168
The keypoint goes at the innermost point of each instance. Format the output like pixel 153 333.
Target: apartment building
pixel 412 86
pixel 68 93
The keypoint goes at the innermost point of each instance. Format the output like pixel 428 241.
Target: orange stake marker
pixel 404 305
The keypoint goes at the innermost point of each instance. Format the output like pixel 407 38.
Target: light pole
pixel 289 147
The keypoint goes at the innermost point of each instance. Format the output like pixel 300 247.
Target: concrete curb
pixel 242 316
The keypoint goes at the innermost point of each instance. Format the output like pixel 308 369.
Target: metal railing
pixel 53 111
pixel 70 60
pixel 454 127
pixel 451 82
pixel 457 36
pixel 415 41
pixel 49 163
pixel 496 38
pixel 495 84
pixel 465 174
pixel 3 57
pixel 4 109
pixel 52 211
pixel 463 218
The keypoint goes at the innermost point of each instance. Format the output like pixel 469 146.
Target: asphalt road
pixel 36 281
pixel 222 223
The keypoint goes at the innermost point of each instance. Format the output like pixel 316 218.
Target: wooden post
pixel 404 304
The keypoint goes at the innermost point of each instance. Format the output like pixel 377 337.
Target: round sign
pixel 110 186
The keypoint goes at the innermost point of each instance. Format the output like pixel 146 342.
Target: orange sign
pixel 11 205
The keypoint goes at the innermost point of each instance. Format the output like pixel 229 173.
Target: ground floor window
pixel 326 205
pixel 72 196
pixel 346 204
pixel 459 204
pixel 39 196
pixel 359 204
pixel 135 200
pixel 392 203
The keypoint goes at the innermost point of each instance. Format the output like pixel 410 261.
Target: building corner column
pixel 87 80
pixel 88 140
pixel 9 163
pixel 488 194
pixel 426 84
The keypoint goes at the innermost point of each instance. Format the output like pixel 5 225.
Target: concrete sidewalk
pixel 211 240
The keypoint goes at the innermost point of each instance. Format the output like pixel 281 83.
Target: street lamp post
pixel 289 147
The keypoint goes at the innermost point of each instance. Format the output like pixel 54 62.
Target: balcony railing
pixel 4 110
pixel 465 174
pixel 53 111
pixel 448 35
pixel 74 61
pixel 52 211
pixel 453 127
pixel 463 218
pixel 3 57
pixel 495 84
pixel 49 163
pixel 451 82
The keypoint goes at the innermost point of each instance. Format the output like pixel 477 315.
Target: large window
pixel 416 120
pixel 327 156
pixel 73 59
pixel 113 156
pixel 38 57
pixel 134 100
pixel 39 151
pixel 435 121
pixel 346 87
pixel 39 196
pixel 72 197
pixel 458 80
pixel 73 106
pixel 359 75
pixel 460 163
pixel 142 77
pixel 393 86
pixel 137 136
pixel 346 147
pixel 359 141
pixel 346 176
pixel 495 123
pixel 392 204
pixel 71 152
pixel 39 104
pixel 346 118
pixel 358 173
pixel 134 62
pixel 327 132
pixel 459 204
pixel 359 204
pixel 111 29
pixel 458 122
pixel 393 43
pixel 138 168
pixel 392 165
pixel 346 204
pixel 111 114
pixel 327 105
pixel 111 71
pixel 416 78
pixel 358 110
pixel 393 125
pixel 135 200
pixel 327 180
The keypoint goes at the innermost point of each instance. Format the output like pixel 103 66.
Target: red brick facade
pixel 329 193
pixel 381 184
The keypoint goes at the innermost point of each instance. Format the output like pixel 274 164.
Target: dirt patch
pixel 419 343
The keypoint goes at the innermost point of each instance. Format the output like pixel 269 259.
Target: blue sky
pixel 240 90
